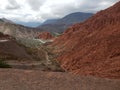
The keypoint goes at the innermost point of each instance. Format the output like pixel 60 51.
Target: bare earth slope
pixel 37 80
pixel 92 47
pixel 17 31
pixel 10 49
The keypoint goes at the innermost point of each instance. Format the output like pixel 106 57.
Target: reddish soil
pixel 4 36
pixel 45 35
pixel 92 47
pixel 13 79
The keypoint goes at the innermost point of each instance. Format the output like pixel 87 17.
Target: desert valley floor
pixel 13 79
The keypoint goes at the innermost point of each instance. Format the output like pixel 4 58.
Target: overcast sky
pixel 40 10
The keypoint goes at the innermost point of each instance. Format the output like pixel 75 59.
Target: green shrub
pixel 4 65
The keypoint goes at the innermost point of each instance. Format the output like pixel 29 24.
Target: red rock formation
pixel 92 47
pixel 45 35
pixel 2 36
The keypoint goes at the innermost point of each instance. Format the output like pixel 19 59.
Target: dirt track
pixel 11 79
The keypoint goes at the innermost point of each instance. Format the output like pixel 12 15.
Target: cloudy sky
pixel 40 10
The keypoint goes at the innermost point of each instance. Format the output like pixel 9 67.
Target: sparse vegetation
pixel 38 52
pixel 4 64
pixel 29 42
pixel 51 62
pixel 55 34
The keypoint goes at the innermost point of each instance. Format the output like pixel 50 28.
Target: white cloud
pixel 12 5
pixel 40 10
pixel 35 4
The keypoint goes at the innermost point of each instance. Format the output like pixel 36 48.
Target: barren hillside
pixel 92 47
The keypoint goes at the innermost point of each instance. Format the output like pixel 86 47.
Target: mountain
pixel 92 47
pixel 49 21
pixel 16 30
pixel 59 25
pixel 6 20
pixel 75 18
pixel 29 24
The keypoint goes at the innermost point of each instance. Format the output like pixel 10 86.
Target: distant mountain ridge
pixel 28 24
pixel 59 25
pixel 49 21
pixel 75 18
pixel 6 20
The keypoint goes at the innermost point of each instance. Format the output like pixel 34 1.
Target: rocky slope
pixel 45 35
pixel 6 20
pixel 60 25
pixel 17 31
pixel 92 47
pixel 10 49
